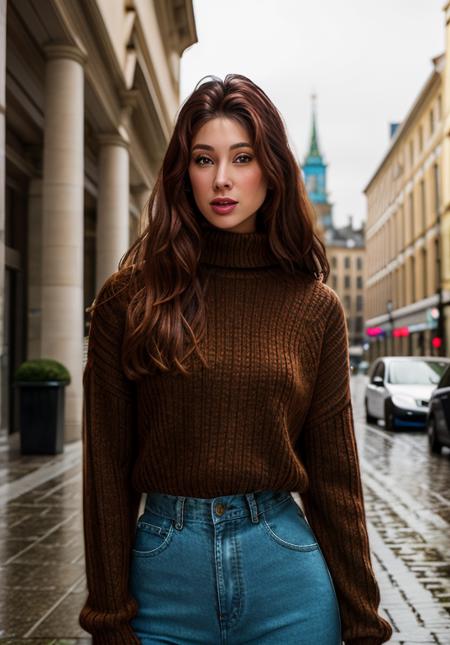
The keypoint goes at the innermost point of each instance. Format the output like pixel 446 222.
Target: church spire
pixel 315 168
pixel 314 145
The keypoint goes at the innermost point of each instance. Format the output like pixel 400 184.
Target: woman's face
pixel 223 165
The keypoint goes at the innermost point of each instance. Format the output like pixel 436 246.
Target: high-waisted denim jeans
pixel 230 570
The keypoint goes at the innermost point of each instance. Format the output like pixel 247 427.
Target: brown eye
pixel 245 157
pixel 198 159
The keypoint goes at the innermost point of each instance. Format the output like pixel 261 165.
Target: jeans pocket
pixel 286 524
pixel 153 535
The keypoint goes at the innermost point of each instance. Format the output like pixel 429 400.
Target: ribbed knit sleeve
pixel 110 505
pixel 333 502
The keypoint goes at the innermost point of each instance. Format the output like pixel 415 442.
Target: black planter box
pixel 41 410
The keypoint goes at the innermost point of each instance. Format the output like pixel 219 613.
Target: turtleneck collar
pixel 236 250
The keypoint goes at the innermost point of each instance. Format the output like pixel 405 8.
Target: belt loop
pixel 253 507
pixel 179 508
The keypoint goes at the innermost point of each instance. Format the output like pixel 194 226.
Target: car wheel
pixel 433 442
pixel 389 417
pixel 369 417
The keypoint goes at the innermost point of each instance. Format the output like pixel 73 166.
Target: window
pixel 359 303
pixel 431 119
pixel 411 212
pixel 402 295
pixel 402 290
pixel 423 204
pixel 416 372
pixel 401 228
pixel 420 138
pixel 347 281
pixel 347 262
pixel 334 282
pixel 359 324
pixel 359 263
pixel 423 272
pixel 347 302
pixel 311 183
pixel 445 379
pixel 359 282
pixel 437 264
pixel 378 371
pixel 334 261
pixel 393 234
pixel 411 152
pixel 437 196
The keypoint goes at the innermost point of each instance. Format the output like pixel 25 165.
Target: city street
pixel 407 494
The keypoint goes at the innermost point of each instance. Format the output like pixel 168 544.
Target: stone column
pixel 34 295
pixel 63 222
pixel 112 235
pixel 142 193
pixel 3 366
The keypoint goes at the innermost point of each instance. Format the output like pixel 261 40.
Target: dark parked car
pixel 400 387
pixel 438 419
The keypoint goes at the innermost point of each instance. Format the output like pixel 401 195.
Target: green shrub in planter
pixel 41 383
pixel 42 369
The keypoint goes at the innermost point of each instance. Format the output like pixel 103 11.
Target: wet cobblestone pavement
pixel 407 498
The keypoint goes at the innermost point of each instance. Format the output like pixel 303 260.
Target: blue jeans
pixel 230 570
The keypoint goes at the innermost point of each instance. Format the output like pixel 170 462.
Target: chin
pixel 226 222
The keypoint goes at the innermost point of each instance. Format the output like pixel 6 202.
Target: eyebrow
pixel 204 146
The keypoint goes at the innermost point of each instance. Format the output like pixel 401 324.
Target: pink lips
pixel 223 209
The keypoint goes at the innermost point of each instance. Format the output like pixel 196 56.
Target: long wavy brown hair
pixel 166 315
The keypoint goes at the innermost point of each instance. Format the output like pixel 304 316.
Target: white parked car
pixel 400 387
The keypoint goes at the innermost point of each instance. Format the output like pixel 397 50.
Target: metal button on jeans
pixel 220 509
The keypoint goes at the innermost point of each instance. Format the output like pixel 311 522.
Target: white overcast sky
pixel 365 59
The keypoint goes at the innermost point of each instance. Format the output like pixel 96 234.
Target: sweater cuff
pixel 124 636
pixel 107 627
pixel 365 641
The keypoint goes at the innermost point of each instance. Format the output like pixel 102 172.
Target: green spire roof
pixel 314 145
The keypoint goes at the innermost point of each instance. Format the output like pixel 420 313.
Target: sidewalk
pixel 42 556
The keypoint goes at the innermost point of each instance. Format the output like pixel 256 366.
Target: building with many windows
pixel 346 254
pixel 407 273
pixel 88 96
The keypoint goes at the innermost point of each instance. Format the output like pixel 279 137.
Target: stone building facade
pixel 346 251
pixel 408 227
pixel 89 92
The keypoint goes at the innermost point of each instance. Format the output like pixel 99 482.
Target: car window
pixel 445 378
pixel 373 370
pixel 416 372
pixel 379 370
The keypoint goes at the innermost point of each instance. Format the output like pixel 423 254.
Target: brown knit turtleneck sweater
pixel 273 411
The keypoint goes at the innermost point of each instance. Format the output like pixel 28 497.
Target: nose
pixel 221 179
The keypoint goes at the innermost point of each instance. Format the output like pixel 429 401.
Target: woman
pixel 217 381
